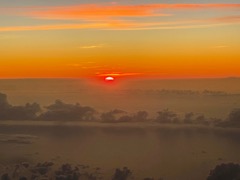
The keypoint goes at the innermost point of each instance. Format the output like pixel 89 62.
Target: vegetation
pixel 48 170
pixel 60 111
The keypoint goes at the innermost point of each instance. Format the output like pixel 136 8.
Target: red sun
pixel 109 78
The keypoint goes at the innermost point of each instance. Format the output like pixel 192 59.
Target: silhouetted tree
pixel 141 116
pixel 63 111
pixel 113 116
pixel 125 118
pixel 108 117
pixel 5 177
pixel 234 116
pixel 9 112
pixel 233 119
pixel 27 112
pixel 123 174
pixel 229 171
pixel 200 119
pixel 166 116
pixel 188 119
pixel 3 101
pixel 23 178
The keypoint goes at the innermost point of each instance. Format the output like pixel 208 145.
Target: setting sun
pixel 109 78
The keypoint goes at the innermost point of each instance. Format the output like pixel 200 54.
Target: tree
pixel 166 116
pixel 234 115
pixel 233 119
pixel 141 116
pixel 63 111
pixel 228 171
pixel 123 174
pixel 188 119
pixel 3 101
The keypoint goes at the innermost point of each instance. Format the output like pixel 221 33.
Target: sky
pixel 122 38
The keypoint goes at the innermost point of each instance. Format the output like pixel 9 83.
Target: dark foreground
pixel 48 170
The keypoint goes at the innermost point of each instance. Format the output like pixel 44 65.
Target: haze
pixel 130 89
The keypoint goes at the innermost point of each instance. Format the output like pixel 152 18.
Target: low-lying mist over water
pixel 170 152
pixel 213 97
pixel 161 129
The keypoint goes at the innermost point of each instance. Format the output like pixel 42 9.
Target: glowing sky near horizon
pixel 135 38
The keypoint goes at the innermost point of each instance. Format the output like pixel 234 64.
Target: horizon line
pixel 143 78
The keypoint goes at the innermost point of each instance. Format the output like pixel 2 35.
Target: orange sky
pixel 132 39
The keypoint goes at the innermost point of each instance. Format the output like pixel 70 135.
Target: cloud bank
pixel 120 17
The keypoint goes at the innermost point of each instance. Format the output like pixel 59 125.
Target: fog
pixel 153 151
pixel 212 97
pixel 169 129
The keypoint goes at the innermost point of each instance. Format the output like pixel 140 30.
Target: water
pixel 149 150
pixel 129 95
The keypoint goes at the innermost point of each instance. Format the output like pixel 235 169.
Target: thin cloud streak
pixel 96 11
pixel 54 27
pixel 228 19
pixel 130 25
pixel 173 27
pixel 7 37
pixel 91 46
pixel 118 74
pixel 219 47
pixel 110 17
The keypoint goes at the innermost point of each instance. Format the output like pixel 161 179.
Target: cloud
pixel 74 65
pixel 85 65
pixel 127 25
pixel 7 37
pixel 55 27
pixel 230 19
pixel 219 47
pixel 98 11
pixel 94 11
pixel 116 17
pixel 92 46
pixel 117 74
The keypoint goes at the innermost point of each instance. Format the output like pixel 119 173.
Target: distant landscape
pixel 71 129
pixel 61 111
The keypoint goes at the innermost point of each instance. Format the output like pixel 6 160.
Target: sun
pixel 109 78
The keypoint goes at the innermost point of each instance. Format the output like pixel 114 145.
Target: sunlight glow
pixel 109 78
